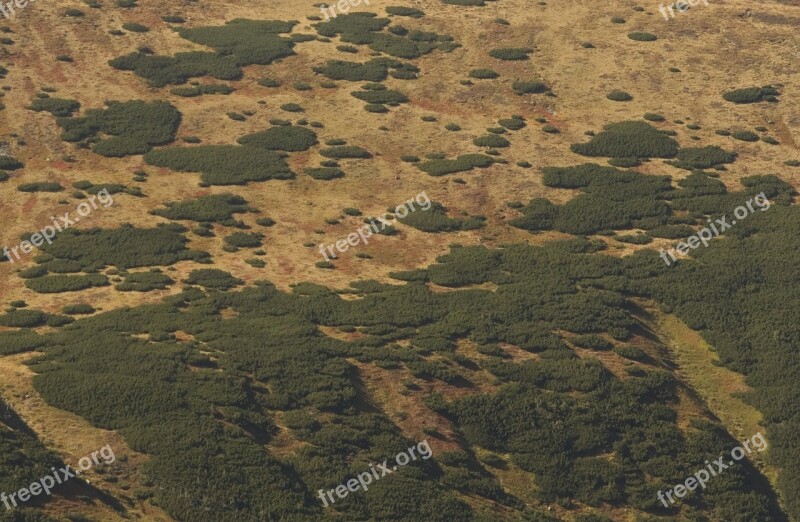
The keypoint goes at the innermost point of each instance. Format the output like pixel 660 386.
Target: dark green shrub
pixel 9 163
pixel 206 209
pixel 642 37
pixel 324 173
pixel 483 74
pixel 144 281
pixel 625 162
pixel 592 342
pixel 213 279
pixel 77 13
pixel 55 106
pixel 651 116
pixel 269 82
pixel 634 239
pixel 745 135
pixel 256 263
pixel 405 11
pixel 691 158
pixel 40 186
pixel 380 96
pixel 620 96
pixel 245 239
pixel 750 94
pixel 240 42
pixel 442 167
pixel 372 71
pixel 123 247
pixel 286 138
pixel 190 92
pixel 529 87
pixel 53 284
pixel 512 123
pixel 134 126
pixel 435 219
pixel 78 309
pixel 223 164
pixel 291 107
pixel 510 53
pixel 134 27
pixel 171 19
pixel 346 151
pixel 491 140
pixel 628 139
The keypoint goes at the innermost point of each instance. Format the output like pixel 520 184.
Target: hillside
pixel 258 248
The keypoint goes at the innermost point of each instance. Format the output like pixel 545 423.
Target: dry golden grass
pixel 721 390
pixel 699 43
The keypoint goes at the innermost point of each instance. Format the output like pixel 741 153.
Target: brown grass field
pixel 724 45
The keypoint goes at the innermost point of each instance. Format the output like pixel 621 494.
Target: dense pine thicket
pixel 616 199
pixel 752 94
pixel 211 403
pixel 56 106
pixel 223 164
pixel 207 407
pixel 628 139
pixel 129 128
pixel 23 460
pixel 435 219
pixel 363 28
pixel 207 209
pixel 284 137
pixel 463 163
pixel 375 70
pixel 238 43
pixel 123 247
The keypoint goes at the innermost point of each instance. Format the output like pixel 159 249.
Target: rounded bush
pixel 483 74
pixel 642 37
pixel 745 135
pixel 618 95
pixel 135 28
